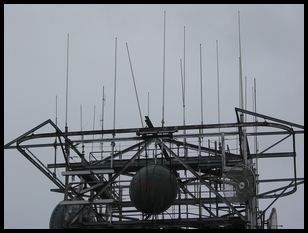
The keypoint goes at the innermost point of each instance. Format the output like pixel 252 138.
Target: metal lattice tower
pixel 98 195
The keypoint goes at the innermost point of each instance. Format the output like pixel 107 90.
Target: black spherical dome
pixel 153 189
pixel 62 213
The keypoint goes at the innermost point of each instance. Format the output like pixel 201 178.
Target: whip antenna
pixel 131 68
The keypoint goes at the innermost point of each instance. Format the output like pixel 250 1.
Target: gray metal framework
pixel 101 179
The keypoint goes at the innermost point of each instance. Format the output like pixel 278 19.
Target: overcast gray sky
pixel 35 72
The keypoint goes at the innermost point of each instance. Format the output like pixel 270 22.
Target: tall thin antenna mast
pixel 200 139
pixel 114 101
pixel 81 118
pixel 183 96
pixel 56 110
pixel 93 125
pixel 255 120
pixel 164 54
pixel 218 94
pixel 245 88
pixel 67 148
pixel 201 86
pixel 81 128
pixel 131 68
pixel 183 101
pixel 56 119
pixel 103 107
pixel 67 62
pixel 148 104
pixel 115 83
pixel 255 201
pixel 184 67
pixel 184 87
pixel 243 141
pixel 240 64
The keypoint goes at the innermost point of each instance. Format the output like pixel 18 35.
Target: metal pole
pixel 223 154
pixel 183 97
pixel 131 68
pixel 115 83
pixel 67 61
pixel 114 100
pixel 201 86
pixel 215 184
pixel 245 97
pixel 255 128
pixel 240 64
pixel 103 111
pixel 67 149
pixel 163 106
pixel 93 130
pixel 201 96
pixel 82 136
pixel 218 96
pixel 55 174
pixel 148 104
pixel 184 88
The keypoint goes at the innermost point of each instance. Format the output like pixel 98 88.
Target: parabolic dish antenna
pixel 238 183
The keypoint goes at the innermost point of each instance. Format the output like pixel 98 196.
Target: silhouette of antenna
pixel 218 94
pixel 131 68
pixel 164 61
pixel 67 63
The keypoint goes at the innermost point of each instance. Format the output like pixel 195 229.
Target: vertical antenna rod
pixel 184 85
pixel 183 96
pixel 200 139
pixel 255 201
pixel 67 60
pixel 81 128
pixel 81 117
pixel 240 63
pixel 56 110
pixel 148 104
pixel 115 83
pixel 184 76
pixel 245 88
pixel 131 68
pixel 218 95
pixel 201 86
pixel 164 54
pixel 56 119
pixel 103 107
pixel 67 148
pixel 114 100
pixel 255 120
pixel 93 125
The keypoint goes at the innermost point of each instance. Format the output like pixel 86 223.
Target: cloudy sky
pixel 35 72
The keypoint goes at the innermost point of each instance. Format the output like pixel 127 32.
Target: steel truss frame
pixel 100 185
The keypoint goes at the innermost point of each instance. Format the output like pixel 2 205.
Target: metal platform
pixel 200 158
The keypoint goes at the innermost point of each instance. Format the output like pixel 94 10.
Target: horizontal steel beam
pixel 279 180
pixel 86 202
pixel 204 162
pixel 204 223
pixel 269 118
pixel 87 172
pixel 272 155
pixel 197 135
pixel 156 129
